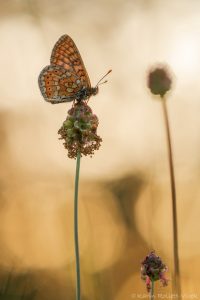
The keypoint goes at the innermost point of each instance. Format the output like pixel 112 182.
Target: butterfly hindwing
pixel 58 84
pixel 66 54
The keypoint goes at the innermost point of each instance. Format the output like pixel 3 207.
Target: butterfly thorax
pixel 86 93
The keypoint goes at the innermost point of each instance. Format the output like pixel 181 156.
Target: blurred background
pixel 125 204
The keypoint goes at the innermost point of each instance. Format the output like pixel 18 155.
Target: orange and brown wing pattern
pixel 59 85
pixel 66 54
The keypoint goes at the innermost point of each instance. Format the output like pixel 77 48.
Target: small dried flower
pixel 159 81
pixel 153 269
pixel 79 131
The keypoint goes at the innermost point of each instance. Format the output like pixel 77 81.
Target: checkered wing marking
pixel 66 54
pixel 59 85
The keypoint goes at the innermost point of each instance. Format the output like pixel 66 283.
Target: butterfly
pixel 66 78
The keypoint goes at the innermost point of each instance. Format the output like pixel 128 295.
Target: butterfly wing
pixel 58 84
pixel 66 54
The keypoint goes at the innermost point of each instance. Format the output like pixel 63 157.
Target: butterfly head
pixel 95 90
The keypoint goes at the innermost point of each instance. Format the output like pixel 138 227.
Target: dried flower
pixel 153 269
pixel 159 81
pixel 79 131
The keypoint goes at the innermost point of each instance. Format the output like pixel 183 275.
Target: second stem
pixel 176 279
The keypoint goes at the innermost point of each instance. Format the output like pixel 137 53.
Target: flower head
pixel 153 269
pixel 79 131
pixel 159 81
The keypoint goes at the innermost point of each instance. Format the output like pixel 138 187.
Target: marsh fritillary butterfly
pixel 66 78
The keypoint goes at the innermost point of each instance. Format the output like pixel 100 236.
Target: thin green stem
pixel 152 290
pixel 176 276
pixel 76 241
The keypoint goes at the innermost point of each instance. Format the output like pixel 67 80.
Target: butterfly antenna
pixel 99 82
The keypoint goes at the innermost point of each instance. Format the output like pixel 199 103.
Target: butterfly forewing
pixel 66 54
pixel 59 85
pixel 66 78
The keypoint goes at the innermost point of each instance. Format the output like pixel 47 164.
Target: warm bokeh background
pixel 125 205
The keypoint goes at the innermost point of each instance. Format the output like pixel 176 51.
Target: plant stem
pixel 152 289
pixel 76 241
pixel 176 275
